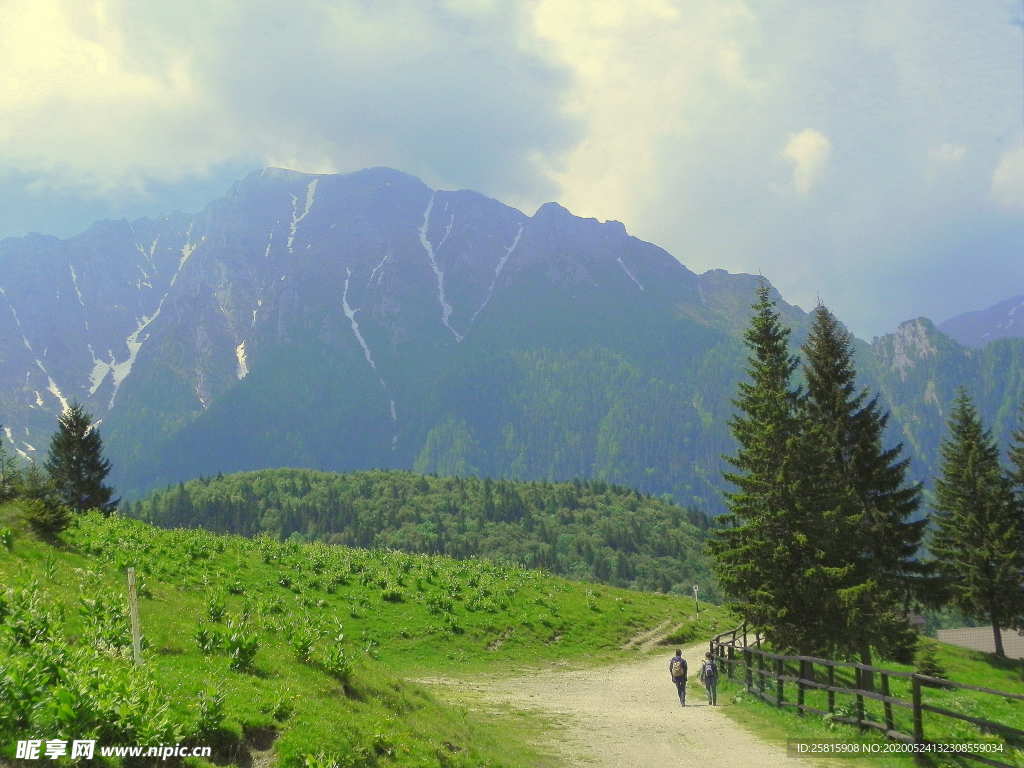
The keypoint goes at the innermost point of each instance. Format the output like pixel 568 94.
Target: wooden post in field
pixel 888 705
pixel 800 688
pixel 918 719
pixel 831 693
pixel 133 609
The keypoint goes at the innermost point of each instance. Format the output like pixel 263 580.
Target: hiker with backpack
pixel 709 676
pixel 677 671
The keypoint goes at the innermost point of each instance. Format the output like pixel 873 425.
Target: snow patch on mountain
pixel 350 313
pixel 446 309
pixel 243 364
pixel 119 370
pixel 497 273
pixel 296 217
pixel 10 438
pixel 631 275
pixel 51 385
pixel 377 269
pixel 78 293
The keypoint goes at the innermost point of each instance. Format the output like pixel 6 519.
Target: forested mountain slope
pixel 584 530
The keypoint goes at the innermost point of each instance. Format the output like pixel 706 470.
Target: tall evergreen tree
pixel 773 553
pixel 1017 458
pixel 978 526
pixel 885 537
pixel 76 464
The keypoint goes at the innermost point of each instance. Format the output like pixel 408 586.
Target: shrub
pixel 209 639
pixel 209 716
pixel 47 518
pixel 28 621
pixel 338 664
pixel 215 607
pixel 241 647
pixel 925 660
pixel 301 640
pixel 6 538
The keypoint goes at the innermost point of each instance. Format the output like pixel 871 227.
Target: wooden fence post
pixel 831 684
pixel 778 682
pixel 747 667
pixel 860 699
pixel 760 673
pixel 133 610
pixel 732 661
pixel 800 688
pixel 888 705
pixel 918 718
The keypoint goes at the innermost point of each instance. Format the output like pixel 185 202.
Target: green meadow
pixel 308 651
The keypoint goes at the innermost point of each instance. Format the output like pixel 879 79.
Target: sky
pixel 866 154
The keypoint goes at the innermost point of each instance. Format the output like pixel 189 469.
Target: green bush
pixel 209 639
pixel 241 647
pixel 925 660
pixel 47 518
pixel 301 639
pixel 215 607
pixel 338 664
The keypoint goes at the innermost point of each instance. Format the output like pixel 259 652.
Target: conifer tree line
pixel 821 548
pixel 70 481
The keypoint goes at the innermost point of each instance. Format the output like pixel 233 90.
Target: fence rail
pixel 761 669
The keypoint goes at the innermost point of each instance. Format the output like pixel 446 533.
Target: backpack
pixel 709 672
pixel 678 668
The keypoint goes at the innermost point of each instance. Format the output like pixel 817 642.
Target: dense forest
pixel 584 530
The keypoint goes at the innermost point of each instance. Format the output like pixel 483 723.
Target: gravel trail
pixel 628 715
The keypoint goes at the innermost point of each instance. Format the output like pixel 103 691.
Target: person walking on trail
pixel 709 676
pixel 677 670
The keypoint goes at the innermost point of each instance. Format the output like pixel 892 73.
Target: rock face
pixel 1005 320
pixel 366 320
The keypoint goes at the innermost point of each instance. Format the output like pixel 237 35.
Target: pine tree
pixel 76 464
pixel 772 554
pixel 884 537
pixel 8 471
pixel 1017 458
pixel 978 534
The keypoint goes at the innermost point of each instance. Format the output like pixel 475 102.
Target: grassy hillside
pixel 584 530
pixel 253 642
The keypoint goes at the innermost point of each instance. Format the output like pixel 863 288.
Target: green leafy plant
pixel 338 664
pixel 216 607
pixel 241 646
pixel 208 639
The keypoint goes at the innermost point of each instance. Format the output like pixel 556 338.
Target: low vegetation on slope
pixel 584 530
pixel 247 642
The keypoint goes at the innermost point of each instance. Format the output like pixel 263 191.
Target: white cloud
pixel 1008 180
pixel 674 116
pixel 650 75
pixel 111 94
pixel 809 152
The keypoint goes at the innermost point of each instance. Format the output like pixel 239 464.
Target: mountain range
pixel 365 320
pixel 1004 320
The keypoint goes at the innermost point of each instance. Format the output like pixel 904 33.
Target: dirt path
pixel 629 715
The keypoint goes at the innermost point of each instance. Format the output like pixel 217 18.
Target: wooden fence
pixel 766 674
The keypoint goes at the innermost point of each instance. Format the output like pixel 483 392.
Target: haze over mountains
pixel 365 320
pixel 1004 320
